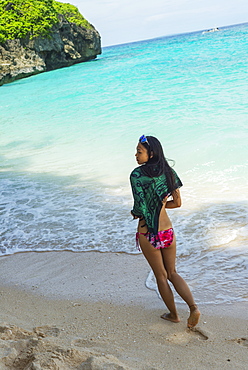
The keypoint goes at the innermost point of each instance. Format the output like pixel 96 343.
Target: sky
pixel 123 21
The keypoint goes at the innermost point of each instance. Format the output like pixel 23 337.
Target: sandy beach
pixel 91 310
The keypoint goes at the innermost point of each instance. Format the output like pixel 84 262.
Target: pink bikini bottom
pixel 163 239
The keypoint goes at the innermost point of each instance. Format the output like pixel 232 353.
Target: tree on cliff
pixel 26 18
pixel 42 35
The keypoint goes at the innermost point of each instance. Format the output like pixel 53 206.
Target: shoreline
pixel 106 315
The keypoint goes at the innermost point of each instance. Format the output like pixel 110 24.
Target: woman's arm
pixel 176 200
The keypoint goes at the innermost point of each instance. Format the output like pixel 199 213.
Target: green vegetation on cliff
pixel 32 18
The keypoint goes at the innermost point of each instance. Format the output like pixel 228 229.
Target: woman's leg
pixel 169 258
pixel 155 260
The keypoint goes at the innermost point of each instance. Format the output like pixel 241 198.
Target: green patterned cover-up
pixel 148 193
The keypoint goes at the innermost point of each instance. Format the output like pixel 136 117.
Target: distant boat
pixel 212 30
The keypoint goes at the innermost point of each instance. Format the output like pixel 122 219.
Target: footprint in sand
pixel 199 333
pixel 187 336
pixel 179 338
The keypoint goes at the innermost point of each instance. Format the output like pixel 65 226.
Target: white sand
pixel 91 310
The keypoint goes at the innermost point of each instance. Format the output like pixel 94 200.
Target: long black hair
pixel 157 163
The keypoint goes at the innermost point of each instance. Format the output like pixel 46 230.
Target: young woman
pixel 155 187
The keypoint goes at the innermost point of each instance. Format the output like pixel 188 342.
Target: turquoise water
pixel 67 144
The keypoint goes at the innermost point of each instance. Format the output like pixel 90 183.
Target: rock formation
pixel 66 45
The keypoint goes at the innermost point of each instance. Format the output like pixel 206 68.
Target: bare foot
pixel 169 317
pixel 194 316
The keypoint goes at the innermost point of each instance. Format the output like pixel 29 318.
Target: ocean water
pixel 67 145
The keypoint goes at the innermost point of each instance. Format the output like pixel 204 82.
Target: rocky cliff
pixel 67 44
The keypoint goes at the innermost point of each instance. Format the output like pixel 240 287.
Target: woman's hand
pixel 164 201
pixel 176 200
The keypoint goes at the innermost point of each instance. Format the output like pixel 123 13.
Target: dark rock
pixel 66 45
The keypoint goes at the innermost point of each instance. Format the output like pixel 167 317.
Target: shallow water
pixel 68 139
